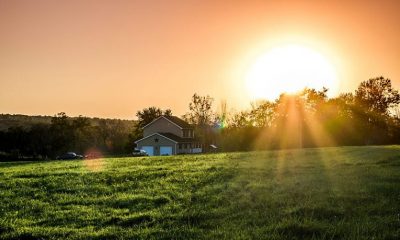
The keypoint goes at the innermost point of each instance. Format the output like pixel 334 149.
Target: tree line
pixel 43 140
pixel 308 118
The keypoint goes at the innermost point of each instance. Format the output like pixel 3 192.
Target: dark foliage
pixel 146 116
pixel 306 119
pixel 311 119
pixel 41 140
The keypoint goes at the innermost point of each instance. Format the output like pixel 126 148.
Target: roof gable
pixel 176 138
pixel 174 120
pixel 178 121
pixel 169 136
pixel 153 135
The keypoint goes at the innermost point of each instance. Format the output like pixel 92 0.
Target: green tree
pixel 40 140
pixel 83 134
pixel 373 100
pixel 147 115
pixel 200 110
pixel 262 113
pixel 341 121
pixel 376 96
pixel 62 134
pixel 313 100
pixel 201 116
pixel 240 119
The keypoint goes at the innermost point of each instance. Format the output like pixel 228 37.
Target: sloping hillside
pixel 328 193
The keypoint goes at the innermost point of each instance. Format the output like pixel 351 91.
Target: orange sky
pixel 112 58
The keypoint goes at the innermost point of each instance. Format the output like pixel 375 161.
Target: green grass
pixel 327 193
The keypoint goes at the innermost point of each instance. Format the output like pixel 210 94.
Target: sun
pixel 289 69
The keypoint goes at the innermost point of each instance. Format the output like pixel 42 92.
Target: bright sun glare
pixel 289 69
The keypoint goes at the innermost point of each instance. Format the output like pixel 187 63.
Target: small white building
pixel 168 135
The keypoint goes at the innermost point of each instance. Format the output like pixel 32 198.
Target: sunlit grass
pixel 327 193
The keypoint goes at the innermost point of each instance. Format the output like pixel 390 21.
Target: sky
pixel 112 58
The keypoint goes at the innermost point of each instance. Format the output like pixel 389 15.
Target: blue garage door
pixel 165 150
pixel 149 150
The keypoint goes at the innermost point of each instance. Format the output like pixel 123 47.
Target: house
pixel 168 135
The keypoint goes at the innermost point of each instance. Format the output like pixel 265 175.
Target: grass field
pixel 327 193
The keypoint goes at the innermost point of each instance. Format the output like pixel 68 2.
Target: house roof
pixel 179 122
pixel 169 136
pixel 176 138
pixel 173 119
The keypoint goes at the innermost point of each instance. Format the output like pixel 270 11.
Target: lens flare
pixel 221 124
pixel 94 160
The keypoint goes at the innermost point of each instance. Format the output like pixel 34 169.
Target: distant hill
pixel 26 121
pixel 19 120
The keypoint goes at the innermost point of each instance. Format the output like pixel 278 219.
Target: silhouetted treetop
pixel 376 95
pixel 147 115
pixel 200 110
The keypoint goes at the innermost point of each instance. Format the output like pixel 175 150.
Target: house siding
pixel 162 125
pixel 162 141
pixel 184 148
